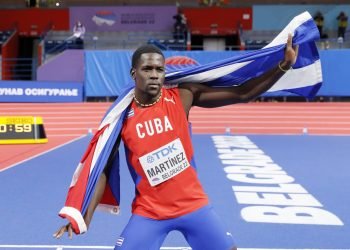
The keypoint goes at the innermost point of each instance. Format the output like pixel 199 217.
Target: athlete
pixel 159 154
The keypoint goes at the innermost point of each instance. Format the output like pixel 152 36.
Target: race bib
pixel 165 162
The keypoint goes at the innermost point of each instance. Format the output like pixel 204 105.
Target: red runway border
pixel 67 121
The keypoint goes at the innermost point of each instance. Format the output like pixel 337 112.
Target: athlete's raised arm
pixel 205 96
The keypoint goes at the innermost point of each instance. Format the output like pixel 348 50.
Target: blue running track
pixel 280 192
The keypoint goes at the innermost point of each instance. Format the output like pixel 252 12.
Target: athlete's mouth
pixel 154 85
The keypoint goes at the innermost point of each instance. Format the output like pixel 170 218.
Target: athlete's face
pixel 149 74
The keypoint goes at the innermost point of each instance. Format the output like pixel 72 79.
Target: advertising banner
pixel 124 18
pixel 31 91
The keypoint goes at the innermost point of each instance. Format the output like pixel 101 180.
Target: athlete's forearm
pixel 101 184
pixel 257 86
pixel 96 198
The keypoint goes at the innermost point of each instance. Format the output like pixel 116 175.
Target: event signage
pixel 124 18
pixel 32 91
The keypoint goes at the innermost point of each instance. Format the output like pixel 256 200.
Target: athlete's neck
pixel 152 101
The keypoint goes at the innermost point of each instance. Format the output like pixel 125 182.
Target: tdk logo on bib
pixel 165 151
pixel 164 162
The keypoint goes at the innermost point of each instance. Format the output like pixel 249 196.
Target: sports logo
pixel 150 159
pixel 104 17
pixel 169 99
pixel 175 63
pixel 155 179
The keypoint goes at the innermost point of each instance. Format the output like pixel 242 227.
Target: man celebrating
pixel 159 154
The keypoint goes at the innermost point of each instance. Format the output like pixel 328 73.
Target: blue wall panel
pixel 107 72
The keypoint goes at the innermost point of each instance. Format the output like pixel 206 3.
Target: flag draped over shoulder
pixel 304 79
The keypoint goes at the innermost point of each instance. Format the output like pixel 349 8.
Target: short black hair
pixel 147 48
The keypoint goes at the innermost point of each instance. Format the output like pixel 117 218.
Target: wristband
pixel 282 69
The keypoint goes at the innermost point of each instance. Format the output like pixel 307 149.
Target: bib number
pixel 165 162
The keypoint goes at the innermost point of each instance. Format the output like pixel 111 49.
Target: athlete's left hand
pixel 62 230
pixel 290 52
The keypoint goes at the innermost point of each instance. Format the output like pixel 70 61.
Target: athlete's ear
pixel 132 73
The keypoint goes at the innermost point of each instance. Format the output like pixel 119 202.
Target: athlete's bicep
pixel 186 96
pixel 210 97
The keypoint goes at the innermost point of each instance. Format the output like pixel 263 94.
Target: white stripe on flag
pixel 211 75
pixel 76 215
pixel 112 119
pixel 301 77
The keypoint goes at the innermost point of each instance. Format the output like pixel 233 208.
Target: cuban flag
pixel 304 79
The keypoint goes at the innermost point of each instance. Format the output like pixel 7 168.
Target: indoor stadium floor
pixel 282 185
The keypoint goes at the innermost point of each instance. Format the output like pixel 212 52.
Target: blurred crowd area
pixel 186 3
pixel 331 22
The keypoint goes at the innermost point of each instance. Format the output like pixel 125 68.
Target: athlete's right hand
pixel 66 228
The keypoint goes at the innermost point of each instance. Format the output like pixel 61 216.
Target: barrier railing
pixel 18 68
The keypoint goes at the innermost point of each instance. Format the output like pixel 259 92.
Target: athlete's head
pixel 147 48
pixel 148 71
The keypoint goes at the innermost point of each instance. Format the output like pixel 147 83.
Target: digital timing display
pixel 16 127
pixel 21 129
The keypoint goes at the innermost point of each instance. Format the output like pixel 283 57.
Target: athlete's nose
pixel 154 74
